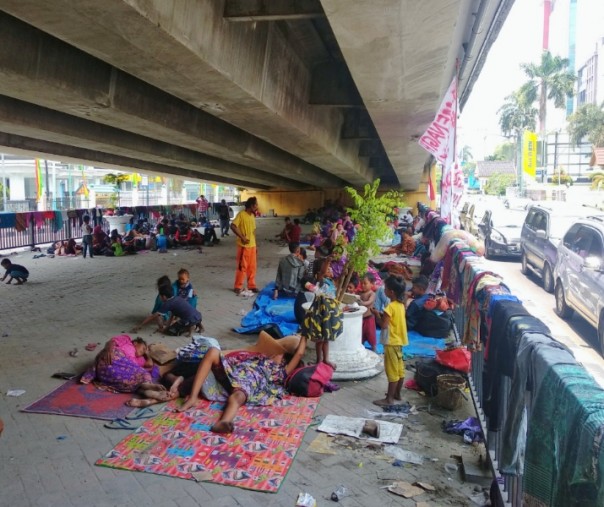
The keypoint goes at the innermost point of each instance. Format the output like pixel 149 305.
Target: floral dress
pixel 256 375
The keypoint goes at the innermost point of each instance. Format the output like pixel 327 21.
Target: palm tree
pixel 548 81
pixel 466 154
pixel 587 121
pixel 597 180
pixel 516 115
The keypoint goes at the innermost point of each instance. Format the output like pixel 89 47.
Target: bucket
pixel 450 391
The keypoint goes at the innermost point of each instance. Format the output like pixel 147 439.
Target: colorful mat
pixel 257 455
pixel 81 400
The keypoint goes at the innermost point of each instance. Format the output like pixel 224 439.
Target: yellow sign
pixel 529 153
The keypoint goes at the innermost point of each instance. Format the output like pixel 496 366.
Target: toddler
pixel 15 271
pixel 367 299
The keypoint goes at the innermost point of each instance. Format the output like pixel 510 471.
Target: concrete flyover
pixel 264 94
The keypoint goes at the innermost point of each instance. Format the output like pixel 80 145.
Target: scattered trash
pixel 242 312
pixel 470 429
pixel 385 415
pixel 91 346
pixel 372 428
pixel 321 445
pixel 305 500
pixel 15 392
pixel 405 489
pixel 403 455
pixel 61 437
pixel 73 352
pixel 4 335
pixel 451 468
pixel 425 485
pixel 340 493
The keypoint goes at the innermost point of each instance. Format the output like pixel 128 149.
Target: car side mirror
pixel 541 234
pixel 593 263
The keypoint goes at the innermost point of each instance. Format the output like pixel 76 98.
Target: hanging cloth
pixel 22 221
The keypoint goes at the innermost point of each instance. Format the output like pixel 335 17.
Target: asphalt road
pixel 576 333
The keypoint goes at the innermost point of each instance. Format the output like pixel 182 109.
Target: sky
pixel 520 41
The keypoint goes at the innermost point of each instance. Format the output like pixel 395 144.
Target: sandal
pixel 91 346
pixel 141 413
pixel 119 424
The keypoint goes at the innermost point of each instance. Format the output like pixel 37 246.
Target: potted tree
pixel 369 212
pixel 116 219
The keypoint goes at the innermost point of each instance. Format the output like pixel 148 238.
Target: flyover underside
pixel 276 93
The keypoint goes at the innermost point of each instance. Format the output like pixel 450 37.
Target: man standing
pixel 224 217
pixel 244 227
pixel 202 208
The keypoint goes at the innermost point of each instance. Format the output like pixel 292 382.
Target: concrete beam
pixel 247 74
pixel 370 148
pixel 27 145
pixel 272 10
pixel 38 68
pixel 28 120
pixel 332 86
pixel 357 125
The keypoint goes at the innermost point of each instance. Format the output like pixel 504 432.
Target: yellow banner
pixel 529 153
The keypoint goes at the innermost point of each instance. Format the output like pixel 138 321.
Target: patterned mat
pixel 257 455
pixel 81 400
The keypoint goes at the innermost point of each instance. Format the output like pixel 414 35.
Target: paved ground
pixel 70 302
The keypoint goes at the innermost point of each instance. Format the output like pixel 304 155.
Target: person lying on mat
pixel 249 377
pixel 124 366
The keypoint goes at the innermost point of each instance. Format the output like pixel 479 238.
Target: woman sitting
pixel 123 366
pixel 249 377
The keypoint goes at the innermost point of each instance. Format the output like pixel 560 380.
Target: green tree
pixel 370 212
pixel 597 180
pixel 497 184
pixel 548 80
pixel 587 121
pixel 116 180
pixel 505 151
pixel 516 115
pixel 466 154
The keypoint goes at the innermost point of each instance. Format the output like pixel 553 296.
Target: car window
pixel 559 225
pixel 569 237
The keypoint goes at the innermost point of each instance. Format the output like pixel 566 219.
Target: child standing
pixel 393 324
pixel 323 320
pixel 367 299
pixel 184 289
pixel 86 236
pixel 15 271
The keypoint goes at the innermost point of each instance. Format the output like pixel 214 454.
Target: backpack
pixel 434 324
pixel 309 381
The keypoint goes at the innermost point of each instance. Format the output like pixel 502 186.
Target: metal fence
pixel 28 229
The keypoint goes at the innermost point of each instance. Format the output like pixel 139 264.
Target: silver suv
pixel 543 229
pixel 579 273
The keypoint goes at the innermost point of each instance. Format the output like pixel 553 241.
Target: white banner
pixel 437 138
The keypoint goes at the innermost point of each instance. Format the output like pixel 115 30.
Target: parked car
pixel 579 273
pixel 543 229
pixel 500 231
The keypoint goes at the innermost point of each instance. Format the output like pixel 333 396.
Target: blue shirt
pixel 414 310
pixel 182 309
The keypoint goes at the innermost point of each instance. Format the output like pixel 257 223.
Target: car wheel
pixel 548 279
pixel 562 309
pixel 601 333
pixel 524 264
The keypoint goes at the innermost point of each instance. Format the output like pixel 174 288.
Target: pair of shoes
pixel 237 291
pixel 120 424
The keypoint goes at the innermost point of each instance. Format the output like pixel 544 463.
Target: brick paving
pixel 70 302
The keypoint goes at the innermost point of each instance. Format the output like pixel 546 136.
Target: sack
pixel 426 373
pixel 309 381
pixel 434 324
pixel 459 358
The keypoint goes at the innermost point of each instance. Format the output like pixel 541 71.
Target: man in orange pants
pixel 244 227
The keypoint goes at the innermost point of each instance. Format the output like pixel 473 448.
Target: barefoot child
pixel 323 320
pixel 15 271
pixel 249 377
pixel 393 320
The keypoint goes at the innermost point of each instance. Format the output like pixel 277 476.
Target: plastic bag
pixel 459 358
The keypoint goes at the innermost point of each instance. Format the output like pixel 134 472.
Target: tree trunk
pixel 542 107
